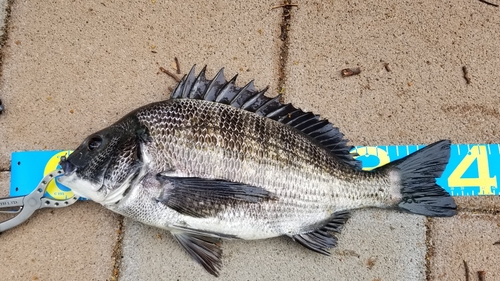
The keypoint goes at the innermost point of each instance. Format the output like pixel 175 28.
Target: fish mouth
pixel 67 166
pixel 69 169
pixel 80 186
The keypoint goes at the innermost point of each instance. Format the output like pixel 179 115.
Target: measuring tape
pixel 471 171
pixel 28 167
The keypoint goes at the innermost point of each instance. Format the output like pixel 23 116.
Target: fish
pixel 218 161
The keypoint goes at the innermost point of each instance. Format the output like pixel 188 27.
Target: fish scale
pixel 302 174
pixel 221 161
pixel 246 147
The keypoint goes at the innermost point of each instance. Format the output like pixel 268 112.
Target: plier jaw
pixel 25 206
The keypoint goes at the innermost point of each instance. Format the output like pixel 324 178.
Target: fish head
pixel 105 164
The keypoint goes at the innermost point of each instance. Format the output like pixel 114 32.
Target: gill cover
pixel 108 157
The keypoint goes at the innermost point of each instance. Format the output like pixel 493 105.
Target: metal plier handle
pixel 27 205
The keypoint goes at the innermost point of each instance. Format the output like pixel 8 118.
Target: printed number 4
pixel 484 181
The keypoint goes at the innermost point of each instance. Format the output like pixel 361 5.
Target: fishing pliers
pixel 27 205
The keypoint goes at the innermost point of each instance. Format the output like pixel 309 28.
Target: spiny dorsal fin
pixel 250 99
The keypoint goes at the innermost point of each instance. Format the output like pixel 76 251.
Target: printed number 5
pixel 484 181
pixel 381 154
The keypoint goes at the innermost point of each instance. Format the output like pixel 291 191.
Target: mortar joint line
pixel 117 255
pixel 284 47
pixel 5 35
pixel 429 248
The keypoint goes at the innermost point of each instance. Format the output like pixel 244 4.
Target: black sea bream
pixel 221 161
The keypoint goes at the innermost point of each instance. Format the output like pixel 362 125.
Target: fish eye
pixel 94 143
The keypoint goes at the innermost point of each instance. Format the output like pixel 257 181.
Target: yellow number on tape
pixel 484 181
pixel 381 154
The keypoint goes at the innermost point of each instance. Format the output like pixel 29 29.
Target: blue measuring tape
pixel 29 167
pixel 471 171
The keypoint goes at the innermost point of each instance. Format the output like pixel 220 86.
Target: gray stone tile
pixel 424 97
pixel 374 244
pixel 467 237
pixel 74 243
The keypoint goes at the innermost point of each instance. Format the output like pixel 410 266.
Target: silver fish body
pixel 193 138
pixel 220 161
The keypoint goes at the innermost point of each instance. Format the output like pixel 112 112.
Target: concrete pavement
pixel 71 68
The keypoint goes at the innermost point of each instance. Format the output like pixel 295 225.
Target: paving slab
pixel 59 244
pixel 73 68
pixel 472 236
pixel 70 69
pixel 375 245
pixel 411 90
pixel 3 14
pixel 479 204
pixel 424 97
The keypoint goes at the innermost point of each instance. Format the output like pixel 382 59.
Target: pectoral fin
pixel 203 249
pixel 198 197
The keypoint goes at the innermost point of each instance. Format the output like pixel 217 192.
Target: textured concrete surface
pixel 68 64
pixel 468 237
pixel 424 97
pixel 59 244
pixel 375 244
pixel 71 68
pixel 471 236
pixel 3 14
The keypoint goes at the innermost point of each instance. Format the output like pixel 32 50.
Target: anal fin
pixel 203 249
pixel 321 240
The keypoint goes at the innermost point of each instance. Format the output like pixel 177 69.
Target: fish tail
pixel 416 175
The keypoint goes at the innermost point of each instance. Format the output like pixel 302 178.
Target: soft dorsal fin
pixel 250 99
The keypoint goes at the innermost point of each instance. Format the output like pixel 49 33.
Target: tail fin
pixel 417 175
